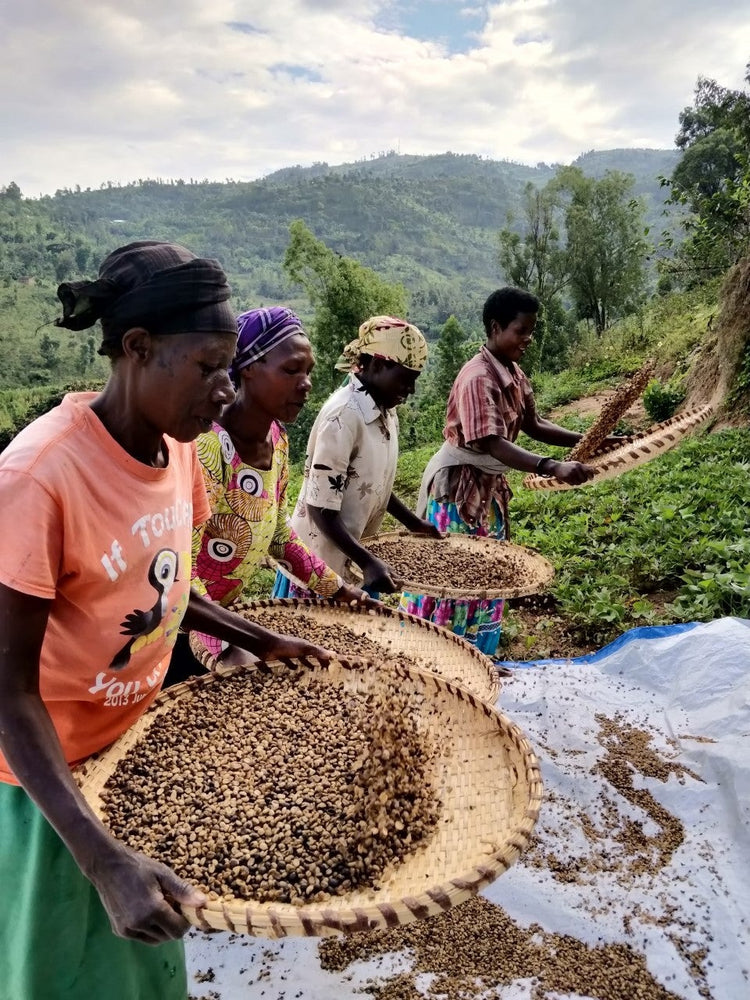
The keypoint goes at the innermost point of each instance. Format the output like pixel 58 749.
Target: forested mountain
pixel 429 222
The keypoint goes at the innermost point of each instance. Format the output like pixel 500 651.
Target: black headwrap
pixel 162 287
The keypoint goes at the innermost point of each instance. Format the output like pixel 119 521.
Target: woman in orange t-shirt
pixel 98 499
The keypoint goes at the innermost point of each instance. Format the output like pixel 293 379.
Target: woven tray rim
pixel 212 663
pixel 315 920
pixel 484 593
pixel 614 462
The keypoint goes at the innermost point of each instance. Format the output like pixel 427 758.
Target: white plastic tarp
pixel 686 691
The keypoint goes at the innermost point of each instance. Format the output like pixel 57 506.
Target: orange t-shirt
pixel 107 539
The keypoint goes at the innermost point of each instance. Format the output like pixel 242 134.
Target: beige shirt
pixel 350 466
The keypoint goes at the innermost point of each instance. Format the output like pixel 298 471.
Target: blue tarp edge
pixel 642 632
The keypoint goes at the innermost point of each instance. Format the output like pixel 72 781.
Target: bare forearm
pixel 550 433
pixel 573 473
pixel 332 525
pixel 398 509
pixel 377 576
pixel 511 454
pixel 32 749
pixel 204 615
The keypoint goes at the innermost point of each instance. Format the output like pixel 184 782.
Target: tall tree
pixel 606 250
pixel 450 351
pixel 534 259
pixel 343 293
pixel 712 179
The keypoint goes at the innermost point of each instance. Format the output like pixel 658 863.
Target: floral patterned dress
pixel 479 621
pixel 250 520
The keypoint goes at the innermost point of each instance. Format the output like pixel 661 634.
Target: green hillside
pixel 430 223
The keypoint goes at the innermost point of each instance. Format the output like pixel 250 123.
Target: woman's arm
pixel 137 893
pixel 311 570
pixel 327 472
pixel 204 615
pixel 516 457
pixel 549 433
pixel 545 430
pixel 377 575
pixel 398 509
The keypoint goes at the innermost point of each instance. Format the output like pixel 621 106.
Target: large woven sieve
pixel 639 449
pixel 591 442
pixel 530 571
pixel 431 647
pixel 486 776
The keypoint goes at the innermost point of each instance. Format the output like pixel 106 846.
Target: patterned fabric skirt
pixel 283 587
pixel 57 943
pixel 478 621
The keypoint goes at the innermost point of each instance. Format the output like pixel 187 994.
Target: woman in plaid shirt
pixel 464 488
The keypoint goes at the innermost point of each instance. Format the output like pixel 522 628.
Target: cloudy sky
pixel 115 90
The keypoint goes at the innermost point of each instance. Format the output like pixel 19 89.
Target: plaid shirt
pixel 488 399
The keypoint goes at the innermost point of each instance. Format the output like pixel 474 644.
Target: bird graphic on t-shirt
pixel 139 625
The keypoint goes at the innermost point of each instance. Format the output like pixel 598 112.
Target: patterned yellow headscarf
pixel 386 337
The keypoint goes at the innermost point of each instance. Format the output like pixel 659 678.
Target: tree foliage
pixel 712 180
pixel 605 250
pixel 535 259
pixel 343 293
pixel 582 235
pixel 450 352
pixel 427 222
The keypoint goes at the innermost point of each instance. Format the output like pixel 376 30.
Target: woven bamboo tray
pixel 591 442
pixel 431 647
pixel 487 778
pixel 533 576
pixel 639 449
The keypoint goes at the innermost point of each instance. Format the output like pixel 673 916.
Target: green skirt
pixel 55 937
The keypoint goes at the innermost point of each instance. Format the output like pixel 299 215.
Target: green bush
pixel 667 542
pixel 18 407
pixel 661 400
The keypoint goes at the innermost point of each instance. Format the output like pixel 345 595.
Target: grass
pixel 667 542
pixel 679 526
pixel 668 328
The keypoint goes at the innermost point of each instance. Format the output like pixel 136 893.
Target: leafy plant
pixel 739 398
pixel 667 542
pixel 660 400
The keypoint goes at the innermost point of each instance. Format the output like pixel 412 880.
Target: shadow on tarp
pixel 642 632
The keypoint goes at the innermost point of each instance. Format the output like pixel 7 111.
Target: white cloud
pixel 237 88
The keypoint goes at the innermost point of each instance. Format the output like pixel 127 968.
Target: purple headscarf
pixel 260 330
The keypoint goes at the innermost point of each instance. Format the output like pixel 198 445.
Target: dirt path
pixel 591 406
